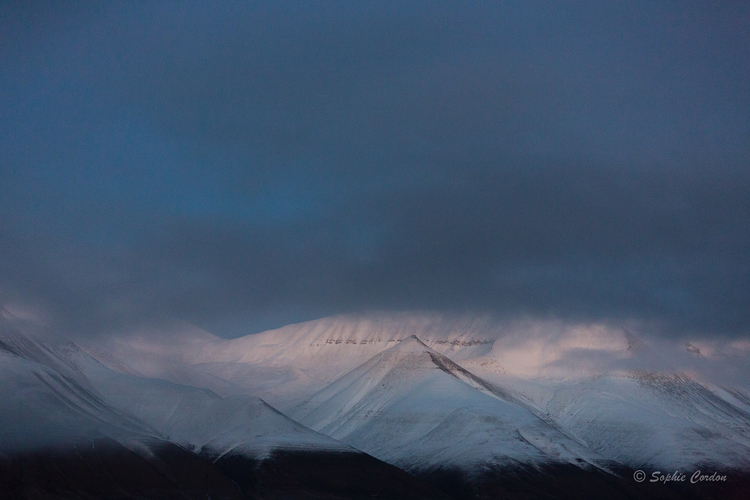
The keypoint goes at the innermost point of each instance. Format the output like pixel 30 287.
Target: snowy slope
pixel 59 394
pixel 45 401
pixel 284 364
pixel 199 419
pixel 647 419
pixel 413 407
pixel 72 428
pixel 583 380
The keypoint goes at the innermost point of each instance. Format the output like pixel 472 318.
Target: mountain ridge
pixel 455 409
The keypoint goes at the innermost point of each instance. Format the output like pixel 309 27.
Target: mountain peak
pixel 410 344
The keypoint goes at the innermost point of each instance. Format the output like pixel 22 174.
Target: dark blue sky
pixel 245 165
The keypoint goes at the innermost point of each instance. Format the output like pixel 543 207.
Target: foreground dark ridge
pixel 293 475
pixel 568 482
pixel 103 468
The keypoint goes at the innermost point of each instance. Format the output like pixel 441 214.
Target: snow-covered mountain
pixel 47 401
pixel 426 393
pixel 284 364
pixel 583 393
pixel 59 438
pixel 73 396
pixel 654 421
pixel 434 413
pixel 199 419
pixel 110 430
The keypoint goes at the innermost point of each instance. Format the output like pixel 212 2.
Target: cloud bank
pixel 244 167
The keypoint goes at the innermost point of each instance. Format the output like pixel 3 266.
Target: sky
pixel 245 165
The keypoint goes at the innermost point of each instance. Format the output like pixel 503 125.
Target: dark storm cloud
pixel 267 163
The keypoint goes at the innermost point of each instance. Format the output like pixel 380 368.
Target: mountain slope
pixel 413 407
pixel 654 420
pixel 72 428
pixel 283 365
pixel 46 401
pixel 59 438
pixel 554 371
pixel 199 419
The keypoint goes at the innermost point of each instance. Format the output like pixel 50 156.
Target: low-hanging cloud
pixel 268 164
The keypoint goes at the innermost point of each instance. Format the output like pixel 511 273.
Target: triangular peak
pixel 410 344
